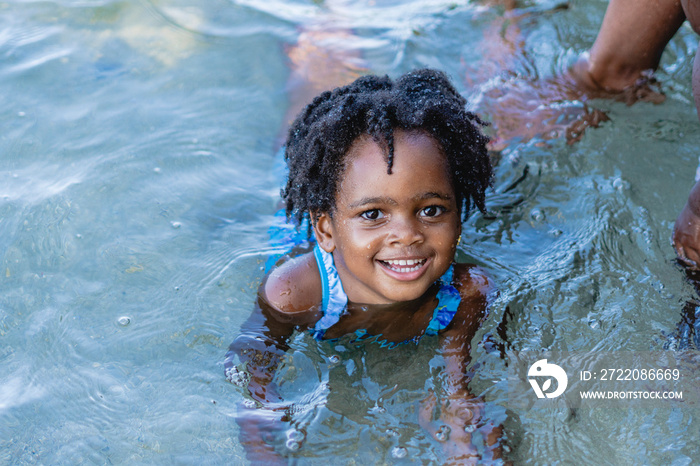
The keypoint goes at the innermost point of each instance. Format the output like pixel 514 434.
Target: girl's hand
pixel 263 431
pixel 453 424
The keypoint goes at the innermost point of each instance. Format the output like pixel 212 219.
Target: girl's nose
pixel 407 231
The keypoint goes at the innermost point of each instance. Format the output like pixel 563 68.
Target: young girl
pixel 382 174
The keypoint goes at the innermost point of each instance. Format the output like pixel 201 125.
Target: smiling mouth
pixel 404 265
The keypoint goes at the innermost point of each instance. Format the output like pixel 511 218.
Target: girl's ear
pixel 323 230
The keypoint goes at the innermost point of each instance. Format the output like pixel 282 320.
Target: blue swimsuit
pixel 335 300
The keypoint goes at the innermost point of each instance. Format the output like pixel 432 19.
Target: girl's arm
pixel 455 415
pixel 251 363
pixel 255 355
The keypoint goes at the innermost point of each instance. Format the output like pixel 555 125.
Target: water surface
pixel 136 189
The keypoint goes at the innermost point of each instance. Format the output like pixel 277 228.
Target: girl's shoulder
pixel 472 281
pixel 476 290
pixel 294 287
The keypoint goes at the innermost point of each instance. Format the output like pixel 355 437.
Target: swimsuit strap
pixel 334 298
pixel 448 302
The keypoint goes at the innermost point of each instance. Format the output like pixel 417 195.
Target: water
pixel 138 139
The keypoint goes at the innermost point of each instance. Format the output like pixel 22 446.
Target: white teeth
pixel 405 265
pixel 403 262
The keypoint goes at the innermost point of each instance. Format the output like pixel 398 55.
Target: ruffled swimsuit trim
pixel 335 300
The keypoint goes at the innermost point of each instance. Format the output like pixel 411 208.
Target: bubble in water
pixel 443 433
pixel 236 376
pixel 249 404
pixel 292 445
pixel 469 428
pixel 294 439
pixel 399 452
pixel 176 225
pixel 334 359
pixel 295 434
pixel 124 321
pixel 594 323
pixel 537 215
pixel 555 232
pixel 466 413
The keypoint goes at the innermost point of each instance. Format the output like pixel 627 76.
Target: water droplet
pixel 176 225
pixel 124 321
pixel 469 428
pixel 399 452
pixel 156 170
pixel 537 215
pixel 443 433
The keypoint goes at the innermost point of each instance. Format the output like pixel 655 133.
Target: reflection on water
pixel 136 193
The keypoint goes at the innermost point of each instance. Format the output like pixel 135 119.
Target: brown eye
pixel 432 211
pixel 372 214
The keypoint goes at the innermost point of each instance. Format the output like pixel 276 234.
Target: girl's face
pixel 392 236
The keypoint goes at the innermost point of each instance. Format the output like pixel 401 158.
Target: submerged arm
pixel 455 417
pixel 259 350
pixel 287 302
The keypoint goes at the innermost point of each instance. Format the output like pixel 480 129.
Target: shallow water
pixel 136 190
